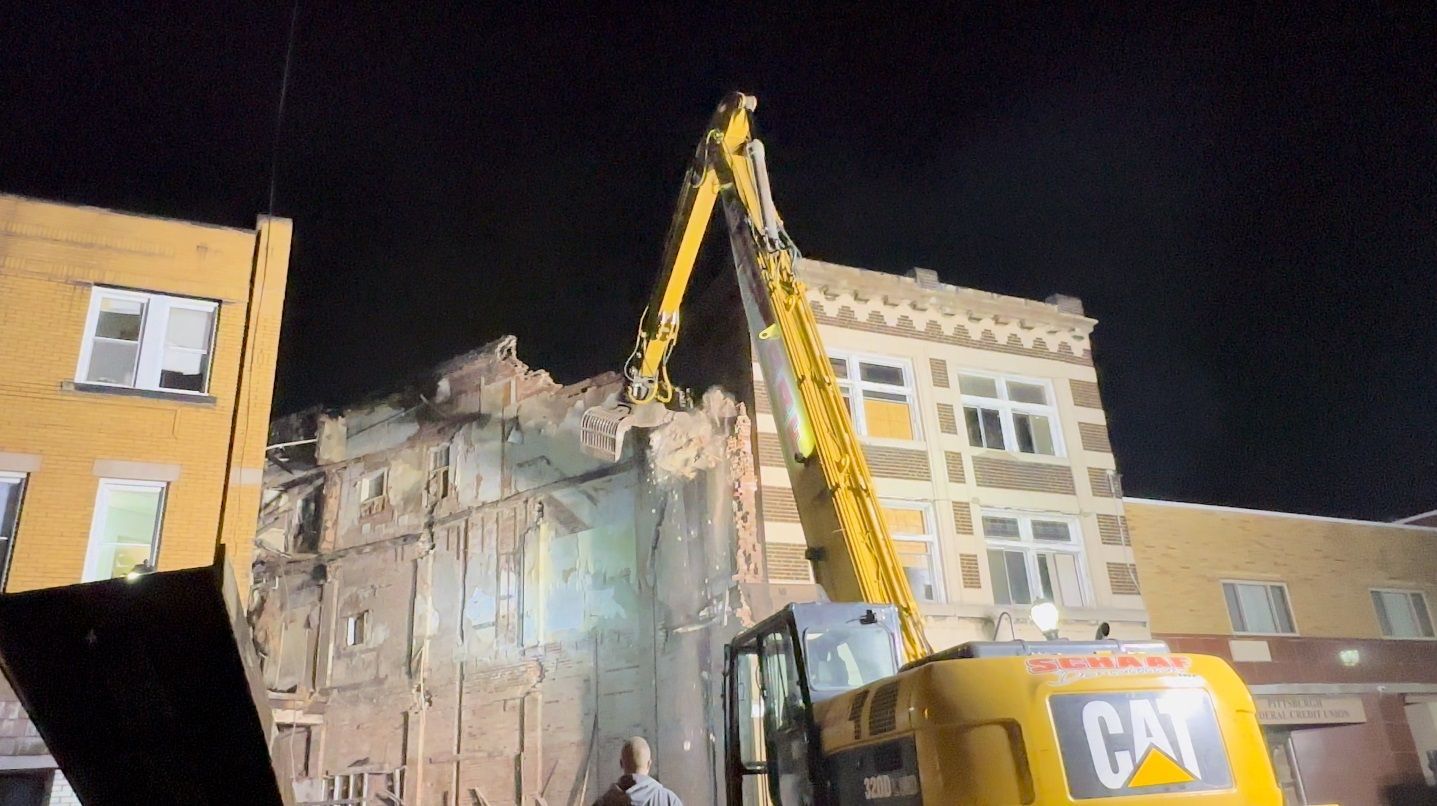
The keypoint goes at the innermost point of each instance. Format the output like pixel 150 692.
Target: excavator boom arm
pixel 854 556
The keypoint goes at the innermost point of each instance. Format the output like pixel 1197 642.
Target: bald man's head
pixel 636 758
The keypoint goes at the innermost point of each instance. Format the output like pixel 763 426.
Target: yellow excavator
pixel 844 702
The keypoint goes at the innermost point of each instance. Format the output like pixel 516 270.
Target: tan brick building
pixel 981 421
pixel 1328 620
pixel 137 359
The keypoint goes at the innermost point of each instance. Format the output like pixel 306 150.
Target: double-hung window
pixel 438 487
pixel 1259 608
pixel 1402 614
pixel 1010 414
pixel 911 527
pixel 879 395
pixel 1034 557
pixel 12 491
pixel 141 340
pixel 125 531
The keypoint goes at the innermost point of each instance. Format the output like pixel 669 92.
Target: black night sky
pixel 1246 199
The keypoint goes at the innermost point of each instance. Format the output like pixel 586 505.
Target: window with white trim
pixel 356 628
pixel 373 490
pixel 125 531
pixel 1010 414
pixel 883 388
pixel 1034 557
pixel 350 787
pixel 438 486
pixel 911 527
pixel 1402 614
pixel 12 493
pixel 1259 608
pixel 140 340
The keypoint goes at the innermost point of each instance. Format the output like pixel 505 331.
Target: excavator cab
pixel 777 672
pixel 820 712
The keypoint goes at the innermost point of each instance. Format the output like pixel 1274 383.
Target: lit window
pixel 148 341
pixel 12 490
pixel 438 473
pixel 1402 614
pixel 1259 608
pixel 884 389
pixel 1034 557
pixel 912 532
pixel 126 527
pixel 1008 414
pixel 356 628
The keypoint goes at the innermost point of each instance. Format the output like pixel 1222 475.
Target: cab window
pixel 843 658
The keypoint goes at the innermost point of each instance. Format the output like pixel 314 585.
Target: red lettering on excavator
pixel 1042 665
pixel 1102 663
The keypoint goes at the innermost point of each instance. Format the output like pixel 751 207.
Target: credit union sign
pixel 1308 710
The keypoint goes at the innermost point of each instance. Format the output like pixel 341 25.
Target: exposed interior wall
pixel 519 624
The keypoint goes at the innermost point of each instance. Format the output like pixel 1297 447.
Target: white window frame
pixel 347 787
pixel 929 536
pixel 855 387
pixel 433 471
pixel 373 504
pixel 1031 548
pixel 21 480
pixel 356 629
pixel 97 521
pixel 1267 583
pixel 1006 408
pixel 150 355
pixel 1408 593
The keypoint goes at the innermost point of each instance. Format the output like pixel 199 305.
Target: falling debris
pixel 693 441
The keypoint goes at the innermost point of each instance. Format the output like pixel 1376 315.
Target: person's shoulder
pixel 670 799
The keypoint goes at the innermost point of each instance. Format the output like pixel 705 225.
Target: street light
pixel 1045 618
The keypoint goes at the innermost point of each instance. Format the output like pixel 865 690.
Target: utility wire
pixel 279 110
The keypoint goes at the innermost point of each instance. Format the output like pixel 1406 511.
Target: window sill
pixel 892 442
pixel 1018 456
pixel 130 391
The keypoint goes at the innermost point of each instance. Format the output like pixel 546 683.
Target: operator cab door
pixel 772 750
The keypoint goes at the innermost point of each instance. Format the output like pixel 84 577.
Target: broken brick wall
pixel 524 609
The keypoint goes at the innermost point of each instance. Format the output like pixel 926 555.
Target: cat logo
pixel 1140 743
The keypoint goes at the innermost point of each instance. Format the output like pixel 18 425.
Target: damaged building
pixel 455 605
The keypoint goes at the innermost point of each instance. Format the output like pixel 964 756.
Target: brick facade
pixel 937 332
pixel 64 435
pixel 1328 568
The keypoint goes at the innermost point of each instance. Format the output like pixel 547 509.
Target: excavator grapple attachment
pixel 602 428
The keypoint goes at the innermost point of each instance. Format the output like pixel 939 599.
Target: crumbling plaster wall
pixel 521 626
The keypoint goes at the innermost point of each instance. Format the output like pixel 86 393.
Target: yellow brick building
pixel 137 359
pixel 1329 621
pixel 980 418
